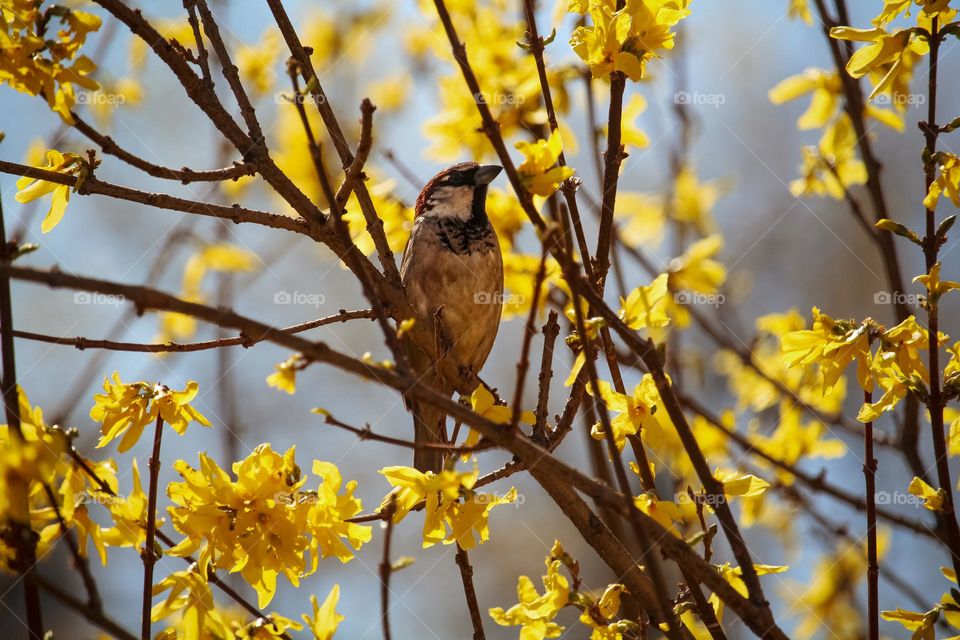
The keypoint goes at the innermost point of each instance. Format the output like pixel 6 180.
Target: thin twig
pixel 386 569
pixel 23 538
pixel 95 616
pixel 931 249
pixel 148 553
pixel 873 567
pixel 550 332
pixel 245 341
pixel 83 565
pixel 523 364
pixel 466 576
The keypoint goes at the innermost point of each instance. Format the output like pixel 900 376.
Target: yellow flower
pixel 539 172
pixel 647 306
pixel 897 366
pixel 630 134
pixel 923 625
pixel 43 62
pixel 397 218
pixel 935 286
pixel 887 53
pixel 696 270
pixel 284 377
pixel 933 499
pixel 519 275
pixel 26 463
pixel 262 524
pixel 68 164
pixel 256 64
pixel 484 404
pixel 824 88
pixel 734 575
pixel 634 412
pixel 535 612
pixel 832 166
pixel 221 257
pixel 947 181
pixel 390 94
pixel 693 200
pixel 126 409
pixel 832 345
pixel 800 10
pixel 325 619
pixel 191 596
pixel 625 40
pixel 606 609
pixel 745 485
pixel 642 218
pixel 129 516
pixel 666 513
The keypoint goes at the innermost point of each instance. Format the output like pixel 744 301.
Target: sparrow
pixel 452 262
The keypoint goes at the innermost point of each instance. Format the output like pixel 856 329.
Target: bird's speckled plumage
pixel 453 260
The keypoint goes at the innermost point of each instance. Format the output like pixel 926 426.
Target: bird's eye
pixel 455 180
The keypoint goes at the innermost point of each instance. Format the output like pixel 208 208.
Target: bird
pixel 452 261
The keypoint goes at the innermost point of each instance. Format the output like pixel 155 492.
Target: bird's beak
pixel 486 173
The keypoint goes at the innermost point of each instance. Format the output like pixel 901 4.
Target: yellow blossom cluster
pixel 40 52
pixel 265 521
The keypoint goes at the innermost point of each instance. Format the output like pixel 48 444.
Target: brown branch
pixel 550 332
pixel 873 567
pixel 94 186
pixel 386 568
pixel 523 364
pixel 212 30
pixel 83 565
pixel 817 483
pixel 245 341
pixel 21 534
pixel 612 158
pixel 185 175
pixel 490 126
pixel 148 553
pixel 203 57
pixel 725 341
pixel 302 57
pixel 931 249
pixel 550 469
pixel 855 107
pixel 466 576
pixel 93 615
pixel 569 187
pixel 366 433
pixel 646 350
pixel 665 610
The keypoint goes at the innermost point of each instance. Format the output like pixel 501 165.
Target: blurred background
pixel 783 253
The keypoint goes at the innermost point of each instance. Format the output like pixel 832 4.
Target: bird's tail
pixel 428 427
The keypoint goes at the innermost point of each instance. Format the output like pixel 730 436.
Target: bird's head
pixel 458 192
